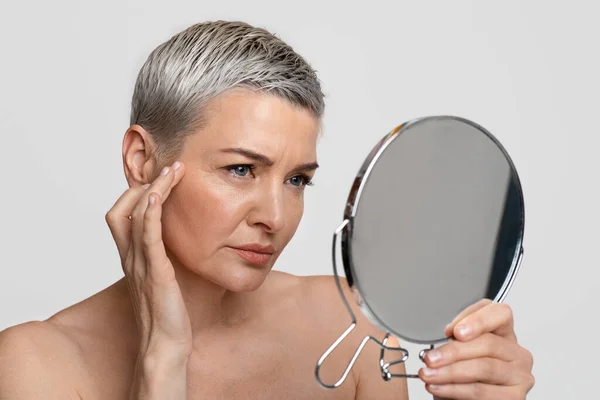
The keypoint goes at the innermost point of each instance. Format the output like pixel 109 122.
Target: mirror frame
pixel 351 210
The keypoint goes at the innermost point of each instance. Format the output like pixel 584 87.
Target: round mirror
pixel 435 224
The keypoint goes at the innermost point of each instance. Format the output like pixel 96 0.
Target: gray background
pixel 525 70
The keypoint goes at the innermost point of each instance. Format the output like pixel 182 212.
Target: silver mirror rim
pixel 354 200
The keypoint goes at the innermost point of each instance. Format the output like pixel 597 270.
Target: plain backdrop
pixel 525 70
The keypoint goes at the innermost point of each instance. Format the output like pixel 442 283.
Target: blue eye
pixel 300 180
pixel 241 170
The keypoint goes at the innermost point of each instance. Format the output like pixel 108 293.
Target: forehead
pixel 258 121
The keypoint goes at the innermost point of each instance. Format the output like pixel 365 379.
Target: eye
pixel 301 180
pixel 241 170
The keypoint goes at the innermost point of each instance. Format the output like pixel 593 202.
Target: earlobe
pixel 138 151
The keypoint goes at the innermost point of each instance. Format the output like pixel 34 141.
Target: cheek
pixel 294 213
pixel 198 220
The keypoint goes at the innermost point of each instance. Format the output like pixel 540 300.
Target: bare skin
pixel 194 319
pixel 90 349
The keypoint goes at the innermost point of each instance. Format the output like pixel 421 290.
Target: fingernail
pixel 151 200
pixel 429 372
pixel 434 387
pixel 146 186
pixel 464 331
pixel 176 165
pixel 434 356
pixel 164 171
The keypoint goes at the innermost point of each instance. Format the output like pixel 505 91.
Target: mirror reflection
pixel 437 226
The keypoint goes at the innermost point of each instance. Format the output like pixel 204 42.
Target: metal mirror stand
pixel 384 367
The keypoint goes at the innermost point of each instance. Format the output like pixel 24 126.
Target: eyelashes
pixel 306 180
pixel 243 170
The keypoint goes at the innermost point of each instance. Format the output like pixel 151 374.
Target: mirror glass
pixel 436 222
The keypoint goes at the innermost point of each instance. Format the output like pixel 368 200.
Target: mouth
pixel 255 254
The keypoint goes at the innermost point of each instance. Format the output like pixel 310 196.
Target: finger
pixel 152 243
pixel 494 318
pixel 117 217
pixel 179 169
pixel 474 391
pixel 392 341
pixel 485 370
pixel 161 185
pixel 487 345
pixel 467 311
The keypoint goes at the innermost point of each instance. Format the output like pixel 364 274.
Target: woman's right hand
pixel 161 315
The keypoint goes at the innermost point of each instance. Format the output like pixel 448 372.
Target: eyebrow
pixel 266 160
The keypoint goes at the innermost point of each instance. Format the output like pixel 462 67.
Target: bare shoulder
pixel 59 357
pixel 41 340
pixel 322 294
pixel 315 297
pixel 38 360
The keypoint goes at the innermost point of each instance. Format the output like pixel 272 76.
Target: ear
pixel 139 161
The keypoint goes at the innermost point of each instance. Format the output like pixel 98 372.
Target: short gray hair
pixel 183 74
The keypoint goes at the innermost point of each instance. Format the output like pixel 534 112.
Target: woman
pixel 222 144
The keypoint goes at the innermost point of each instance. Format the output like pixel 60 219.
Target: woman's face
pixel 246 172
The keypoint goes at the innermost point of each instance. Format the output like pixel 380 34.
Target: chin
pixel 237 275
pixel 242 278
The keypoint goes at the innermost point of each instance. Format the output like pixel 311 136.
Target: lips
pixel 257 248
pixel 255 253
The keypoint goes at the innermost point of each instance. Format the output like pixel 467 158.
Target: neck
pixel 209 305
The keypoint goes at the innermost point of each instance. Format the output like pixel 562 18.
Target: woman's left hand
pixel 484 361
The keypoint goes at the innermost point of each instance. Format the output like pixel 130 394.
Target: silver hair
pixel 183 74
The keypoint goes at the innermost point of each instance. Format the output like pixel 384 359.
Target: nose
pixel 268 210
